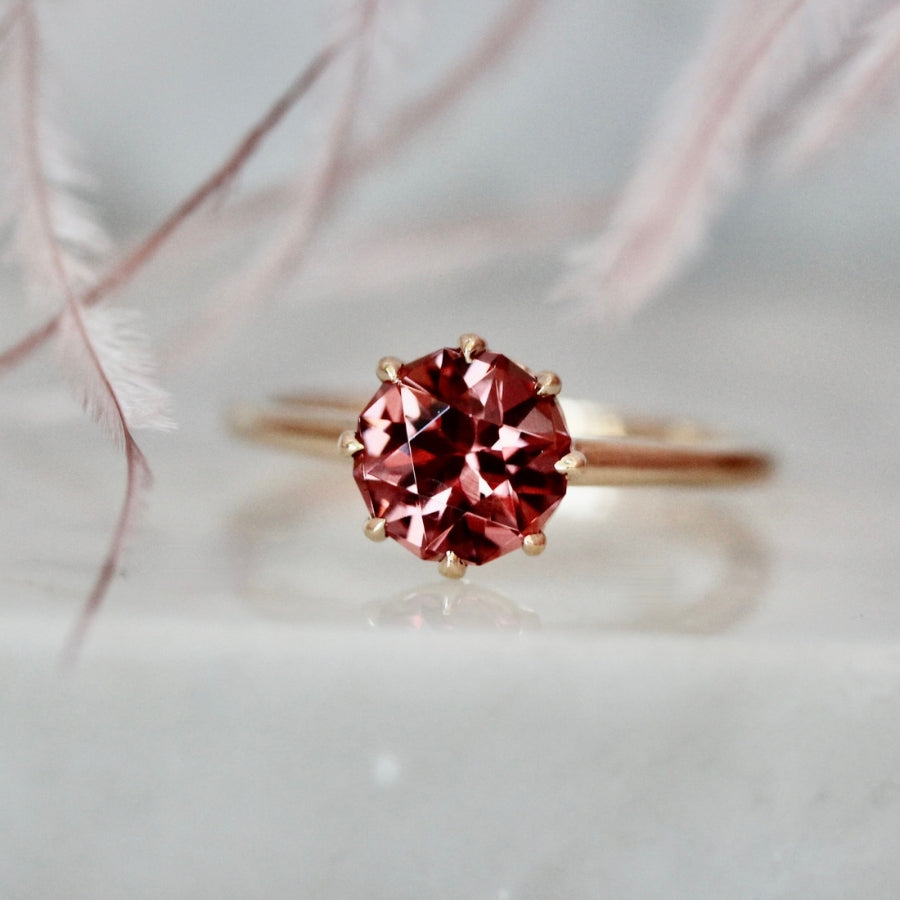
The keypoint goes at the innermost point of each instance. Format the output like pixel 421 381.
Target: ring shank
pixel 619 450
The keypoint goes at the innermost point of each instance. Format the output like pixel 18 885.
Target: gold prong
pixel 572 464
pixel 534 544
pixel 451 566
pixel 471 345
pixel 374 529
pixel 387 368
pixel 349 444
pixel 549 384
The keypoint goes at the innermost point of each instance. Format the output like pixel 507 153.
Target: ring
pixel 463 455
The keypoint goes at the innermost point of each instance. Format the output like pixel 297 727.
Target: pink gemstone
pixel 460 456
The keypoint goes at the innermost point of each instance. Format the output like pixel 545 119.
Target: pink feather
pixel 754 56
pixel 871 68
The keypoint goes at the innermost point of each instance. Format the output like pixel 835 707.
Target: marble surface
pixel 691 694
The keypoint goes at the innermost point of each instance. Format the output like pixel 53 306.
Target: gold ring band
pixel 619 450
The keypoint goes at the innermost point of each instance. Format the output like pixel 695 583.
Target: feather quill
pixel 754 56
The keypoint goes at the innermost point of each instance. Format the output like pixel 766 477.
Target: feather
pixel 131 263
pixel 871 65
pixel 114 337
pixel 314 193
pixel 57 241
pixel 138 481
pixel 754 56
pixel 409 119
pixel 43 198
pixel 413 116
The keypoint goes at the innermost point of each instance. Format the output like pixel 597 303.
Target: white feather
pixel 754 56
pixel 114 335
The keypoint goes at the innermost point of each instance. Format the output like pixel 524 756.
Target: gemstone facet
pixel 459 456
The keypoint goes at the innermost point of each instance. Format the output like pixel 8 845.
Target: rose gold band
pixel 619 450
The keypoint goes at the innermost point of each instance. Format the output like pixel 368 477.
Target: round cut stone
pixel 460 456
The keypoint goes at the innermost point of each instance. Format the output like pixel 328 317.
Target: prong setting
pixel 572 464
pixel 349 444
pixel 534 544
pixel 549 384
pixel 471 345
pixel 407 439
pixel 451 566
pixel 388 368
pixel 375 529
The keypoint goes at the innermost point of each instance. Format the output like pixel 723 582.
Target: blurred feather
pixel 390 257
pixel 411 117
pixel 219 179
pixel 868 71
pixel 43 194
pixel 284 254
pixel 340 161
pixel 754 56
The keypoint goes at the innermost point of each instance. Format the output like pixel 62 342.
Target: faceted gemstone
pixel 460 456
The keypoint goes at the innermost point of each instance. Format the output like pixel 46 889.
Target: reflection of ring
pixel 463 455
